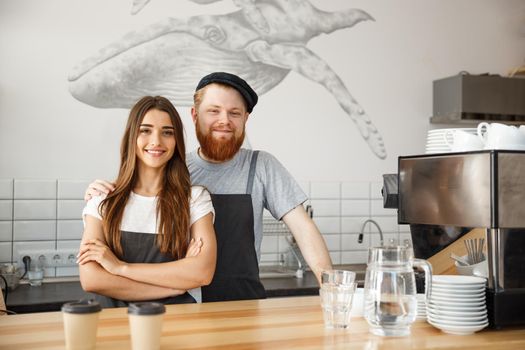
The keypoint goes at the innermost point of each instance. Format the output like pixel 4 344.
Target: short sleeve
pixel 281 192
pixel 200 204
pixel 91 208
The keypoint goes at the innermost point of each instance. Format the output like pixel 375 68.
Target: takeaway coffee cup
pixel 80 324
pixel 145 325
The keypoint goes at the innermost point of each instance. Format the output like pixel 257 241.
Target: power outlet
pixel 49 257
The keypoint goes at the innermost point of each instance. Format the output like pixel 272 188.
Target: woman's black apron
pixel 142 248
pixel 237 271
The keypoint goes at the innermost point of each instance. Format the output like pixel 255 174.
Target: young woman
pixel 151 238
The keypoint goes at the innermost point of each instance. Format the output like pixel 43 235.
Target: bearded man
pixel 242 184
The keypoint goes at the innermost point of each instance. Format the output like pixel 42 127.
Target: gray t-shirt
pixel 273 189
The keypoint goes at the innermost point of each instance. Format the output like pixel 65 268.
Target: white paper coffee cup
pixel 80 324
pixel 145 325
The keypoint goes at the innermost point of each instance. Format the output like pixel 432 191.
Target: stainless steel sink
pixel 282 272
pixel 275 272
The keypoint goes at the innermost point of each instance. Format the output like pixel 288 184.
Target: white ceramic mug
pixel 461 141
pixel 501 136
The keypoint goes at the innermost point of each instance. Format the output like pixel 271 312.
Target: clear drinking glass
pixel 35 276
pixel 336 292
pixel 336 301
pixel 390 290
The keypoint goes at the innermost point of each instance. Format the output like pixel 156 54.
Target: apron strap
pixel 251 174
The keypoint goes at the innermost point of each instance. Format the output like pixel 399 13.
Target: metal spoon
pixel 459 259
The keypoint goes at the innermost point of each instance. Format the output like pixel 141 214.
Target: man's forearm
pixel 309 239
pixel 315 253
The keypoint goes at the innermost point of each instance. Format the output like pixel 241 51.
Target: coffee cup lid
pixel 84 306
pixel 146 308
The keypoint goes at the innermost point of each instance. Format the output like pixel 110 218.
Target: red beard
pixel 218 150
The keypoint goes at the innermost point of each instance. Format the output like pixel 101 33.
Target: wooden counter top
pixel 282 323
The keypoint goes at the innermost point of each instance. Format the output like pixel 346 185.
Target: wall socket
pixel 49 257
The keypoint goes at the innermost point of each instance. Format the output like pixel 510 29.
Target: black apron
pixel 237 271
pixel 142 248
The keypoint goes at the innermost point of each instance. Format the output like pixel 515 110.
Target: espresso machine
pixel 444 196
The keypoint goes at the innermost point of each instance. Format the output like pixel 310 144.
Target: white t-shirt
pixel 140 212
pixel 140 215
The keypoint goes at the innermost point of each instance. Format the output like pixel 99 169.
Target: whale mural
pixel 261 42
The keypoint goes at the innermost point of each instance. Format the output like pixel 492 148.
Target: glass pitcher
pixel 390 289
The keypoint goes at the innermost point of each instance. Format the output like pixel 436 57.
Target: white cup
pixel 480 269
pixel 501 136
pixel 145 325
pixel 461 141
pixel 80 324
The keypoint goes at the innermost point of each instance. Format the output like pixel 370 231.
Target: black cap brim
pixel 239 84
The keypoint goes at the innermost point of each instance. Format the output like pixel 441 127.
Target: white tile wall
pixel 72 189
pixel 6 231
pixel 69 229
pixel 354 257
pixel 5 251
pixel 6 188
pixel 352 224
pixel 70 209
pixel 325 190
pixel 6 209
pixel 326 207
pixel 35 189
pixel 355 190
pixel 328 224
pixel 378 210
pixel 375 190
pixel 47 215
pixel 350 242
pixel 333 242
pixel 38 209
pixel 336 257
pixel 40 214
pixel 34 230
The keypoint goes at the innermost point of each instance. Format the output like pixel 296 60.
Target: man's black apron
pixel 237 271
pixel 142 248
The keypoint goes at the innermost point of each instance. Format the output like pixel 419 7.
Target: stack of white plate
pixel 436 139
pixel 421 307
pixel 457 304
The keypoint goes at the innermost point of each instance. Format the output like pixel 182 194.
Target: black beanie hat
pixel 239 84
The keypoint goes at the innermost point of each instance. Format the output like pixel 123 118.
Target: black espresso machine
pixel 443 196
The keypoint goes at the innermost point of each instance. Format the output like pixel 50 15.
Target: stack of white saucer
pixel 457 304
pixel 421 307
pixel 436 142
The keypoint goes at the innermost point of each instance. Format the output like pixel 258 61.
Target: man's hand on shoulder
pixel 97 188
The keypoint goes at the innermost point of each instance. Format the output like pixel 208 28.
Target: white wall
pixel 388 65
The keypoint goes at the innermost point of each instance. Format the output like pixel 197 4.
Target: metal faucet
pixel 360 238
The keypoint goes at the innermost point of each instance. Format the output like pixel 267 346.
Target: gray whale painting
pixel 261 42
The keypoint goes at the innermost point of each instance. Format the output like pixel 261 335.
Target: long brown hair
pixel 173 208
